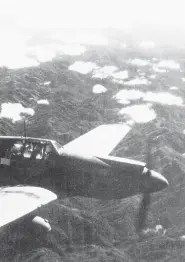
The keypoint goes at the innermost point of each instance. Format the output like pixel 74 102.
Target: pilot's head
pixel 48 148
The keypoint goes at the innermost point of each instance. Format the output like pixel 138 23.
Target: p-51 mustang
pixel 82 167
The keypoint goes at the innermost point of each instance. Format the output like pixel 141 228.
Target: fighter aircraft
pixel 82 167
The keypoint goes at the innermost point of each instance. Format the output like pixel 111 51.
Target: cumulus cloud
pixel 159 70
pixel 139 113
pixel 125 96
pixel 139 62
pixel 104 72
pixel 97 89
pixel 170 64
pixel 163 98
pixel 43 102
pixel 138 81
pixel 174 88
pixel 83 67
pixel 120 74
pixel 14 110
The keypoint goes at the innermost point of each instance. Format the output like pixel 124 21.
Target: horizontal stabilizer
pixel 99 141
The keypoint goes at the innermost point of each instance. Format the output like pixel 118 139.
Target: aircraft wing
pixel 18 201
pixel 99 141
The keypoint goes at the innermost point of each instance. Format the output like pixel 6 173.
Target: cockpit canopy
pixel 33 148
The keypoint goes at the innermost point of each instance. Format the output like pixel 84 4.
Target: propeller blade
pixel 149 154
pixel 143 211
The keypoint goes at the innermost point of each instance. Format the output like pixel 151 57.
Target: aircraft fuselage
pixel 105 177
pixel 44 163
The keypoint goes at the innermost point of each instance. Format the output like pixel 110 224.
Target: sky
pixel 91 13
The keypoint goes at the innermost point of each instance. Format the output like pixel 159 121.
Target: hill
pixel 70 95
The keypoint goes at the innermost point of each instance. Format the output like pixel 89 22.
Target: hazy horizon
pixel 158 21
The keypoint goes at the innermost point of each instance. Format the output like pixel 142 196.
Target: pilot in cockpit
pixel 37 152
pixel 5 148
pixel 34 152
pixel 16 149
pixel 48 151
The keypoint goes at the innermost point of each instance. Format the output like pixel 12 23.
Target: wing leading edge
pixel 99 141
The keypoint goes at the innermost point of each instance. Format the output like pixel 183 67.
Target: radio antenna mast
pixel 25 128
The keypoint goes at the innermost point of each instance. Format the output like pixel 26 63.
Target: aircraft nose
pixel 153 181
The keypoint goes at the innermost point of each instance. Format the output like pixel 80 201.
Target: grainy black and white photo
pixel 92 131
